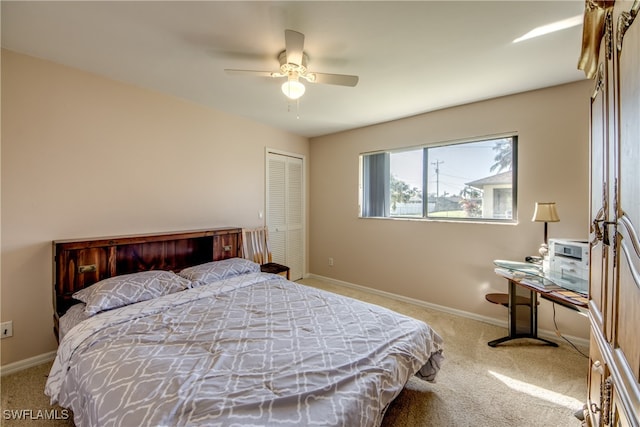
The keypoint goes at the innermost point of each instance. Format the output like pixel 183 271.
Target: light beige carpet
pixel 521 383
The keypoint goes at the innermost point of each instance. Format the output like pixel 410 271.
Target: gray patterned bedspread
pixel 253 350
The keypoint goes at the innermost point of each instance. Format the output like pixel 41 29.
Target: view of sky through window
pixel 457 165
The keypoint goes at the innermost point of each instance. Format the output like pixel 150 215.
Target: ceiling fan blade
pixel 294 45
pixel 335 79
pixel 253 73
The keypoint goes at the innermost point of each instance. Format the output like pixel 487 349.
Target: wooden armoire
pixel 611 56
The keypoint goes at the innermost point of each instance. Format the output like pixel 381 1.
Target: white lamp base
pixel 544 250
pixel 544 254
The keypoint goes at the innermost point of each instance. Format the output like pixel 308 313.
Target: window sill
pixel 447 220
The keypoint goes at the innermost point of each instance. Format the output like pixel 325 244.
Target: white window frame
pixel 382 160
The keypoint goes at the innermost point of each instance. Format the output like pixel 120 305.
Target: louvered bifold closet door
pixel 276 206
pixel 285 211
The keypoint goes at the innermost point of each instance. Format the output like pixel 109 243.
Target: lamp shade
pixel 545 212
pixel 292 88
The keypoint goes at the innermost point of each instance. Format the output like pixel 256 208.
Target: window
pixel 473 180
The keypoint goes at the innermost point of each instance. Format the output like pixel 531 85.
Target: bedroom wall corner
pixel 84 156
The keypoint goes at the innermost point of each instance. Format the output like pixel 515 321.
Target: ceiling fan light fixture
pixel 293 65
pixel 292 88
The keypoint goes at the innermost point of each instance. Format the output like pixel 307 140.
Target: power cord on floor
pixel 558 333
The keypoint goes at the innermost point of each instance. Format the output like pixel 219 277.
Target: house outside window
pixel 462 181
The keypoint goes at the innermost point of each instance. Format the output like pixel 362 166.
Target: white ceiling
pixel 412 57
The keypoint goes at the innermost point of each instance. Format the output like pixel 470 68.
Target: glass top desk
pixel 526 282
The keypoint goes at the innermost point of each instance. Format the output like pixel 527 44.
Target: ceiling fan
pixel 293 66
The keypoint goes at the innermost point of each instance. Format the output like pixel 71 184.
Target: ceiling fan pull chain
pixel 289 103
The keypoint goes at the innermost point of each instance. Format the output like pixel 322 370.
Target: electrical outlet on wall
pixel 7 329
pixel 330 262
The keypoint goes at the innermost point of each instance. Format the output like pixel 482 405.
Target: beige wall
pixel 446 263
pixel 83 156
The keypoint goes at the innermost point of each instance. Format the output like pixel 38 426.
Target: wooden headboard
pixel 81 263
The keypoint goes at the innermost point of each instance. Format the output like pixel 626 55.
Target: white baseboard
pixel 20 365
pixel 580 342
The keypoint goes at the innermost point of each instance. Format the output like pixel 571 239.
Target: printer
pixel 569 259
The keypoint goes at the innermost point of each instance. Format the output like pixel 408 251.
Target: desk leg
pixel 534 320
pixel 516 328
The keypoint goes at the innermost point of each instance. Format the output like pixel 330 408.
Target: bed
pixel 219 343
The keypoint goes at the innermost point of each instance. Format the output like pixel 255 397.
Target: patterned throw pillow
pixel 127 289
pixel 204 274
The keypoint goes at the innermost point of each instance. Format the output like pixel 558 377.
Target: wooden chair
pixel 255 247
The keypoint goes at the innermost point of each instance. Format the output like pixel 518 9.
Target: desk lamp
pixel 545 212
